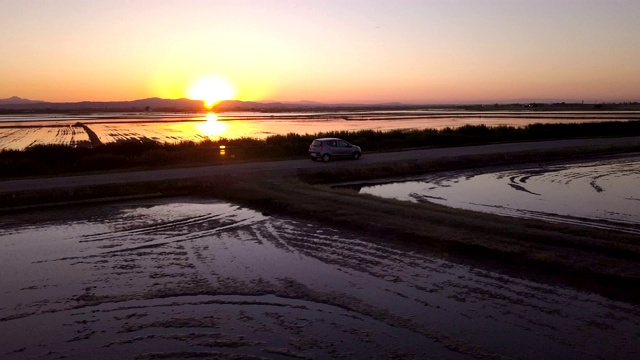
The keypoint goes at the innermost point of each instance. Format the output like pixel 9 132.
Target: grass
pixel 47 160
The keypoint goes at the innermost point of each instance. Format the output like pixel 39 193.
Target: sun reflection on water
pixel 212 128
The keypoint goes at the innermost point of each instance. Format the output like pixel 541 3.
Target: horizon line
pixel 382 102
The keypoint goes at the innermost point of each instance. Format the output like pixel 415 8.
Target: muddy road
pixel 184 278
pixel 294 165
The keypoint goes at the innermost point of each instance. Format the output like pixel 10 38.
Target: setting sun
pixel 211 91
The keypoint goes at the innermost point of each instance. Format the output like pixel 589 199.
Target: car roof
pixel 324 139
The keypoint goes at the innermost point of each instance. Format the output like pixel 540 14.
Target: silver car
pixel 330 148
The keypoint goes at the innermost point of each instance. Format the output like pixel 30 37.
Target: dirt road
pixel 294 165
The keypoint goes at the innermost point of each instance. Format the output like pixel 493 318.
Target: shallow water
pixel 21 131
pixel 187 278
pixel 604 194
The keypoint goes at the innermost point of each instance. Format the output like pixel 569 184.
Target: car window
pixel 342 143
pixel 332 143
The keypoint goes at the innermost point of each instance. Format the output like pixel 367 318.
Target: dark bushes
pixel 59 159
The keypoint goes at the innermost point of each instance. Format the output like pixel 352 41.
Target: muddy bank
pixel 593 259
pixel 601 193
pixel 590 259
pixel 183 278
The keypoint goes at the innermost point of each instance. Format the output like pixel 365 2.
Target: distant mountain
pixel 14 100
pixel 157 104
pixel 238 105
pixel 305 105
pixel 300 102
pixel 154 103
pixel 18 104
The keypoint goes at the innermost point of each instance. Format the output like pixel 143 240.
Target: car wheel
pixel 356 155
pixel 326 157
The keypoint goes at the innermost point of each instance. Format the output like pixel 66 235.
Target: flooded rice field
pixel 184 278
pixel 21 131
pixel 19 138
pixel 603 193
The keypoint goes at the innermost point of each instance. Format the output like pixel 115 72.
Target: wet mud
pixel 184 278
pixel 602 194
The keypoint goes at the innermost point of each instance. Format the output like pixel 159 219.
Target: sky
pixel 334 51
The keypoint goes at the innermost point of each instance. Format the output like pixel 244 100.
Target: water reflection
pixel 212 128
pixel 183 278
pixel 604 193
pixel 177 127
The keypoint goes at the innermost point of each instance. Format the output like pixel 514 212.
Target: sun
pixel 211 90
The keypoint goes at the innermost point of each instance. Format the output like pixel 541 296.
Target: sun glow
pixel 211 91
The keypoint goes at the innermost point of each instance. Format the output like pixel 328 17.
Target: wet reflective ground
pixel 18 132
pixel 604 193
pixel 186 278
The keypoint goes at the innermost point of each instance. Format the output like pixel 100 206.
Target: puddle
pixel 184 278
pixel 603 194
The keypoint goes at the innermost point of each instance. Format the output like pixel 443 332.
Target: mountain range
pixel 17 104
pixel 14 100
pixel 158 104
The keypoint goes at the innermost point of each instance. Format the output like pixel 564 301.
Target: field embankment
pixel 583 257
pixel 587 258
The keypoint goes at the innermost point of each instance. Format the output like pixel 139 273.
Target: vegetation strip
pixel 56 160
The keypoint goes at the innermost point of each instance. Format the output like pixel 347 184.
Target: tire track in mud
pixel 346 252
pixel 596 194
pixel 383 263
pixel 177 225
pixel 93 298
pixel 267 286
pixel 476 290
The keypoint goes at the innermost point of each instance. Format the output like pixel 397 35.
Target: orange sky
pixel 328 51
